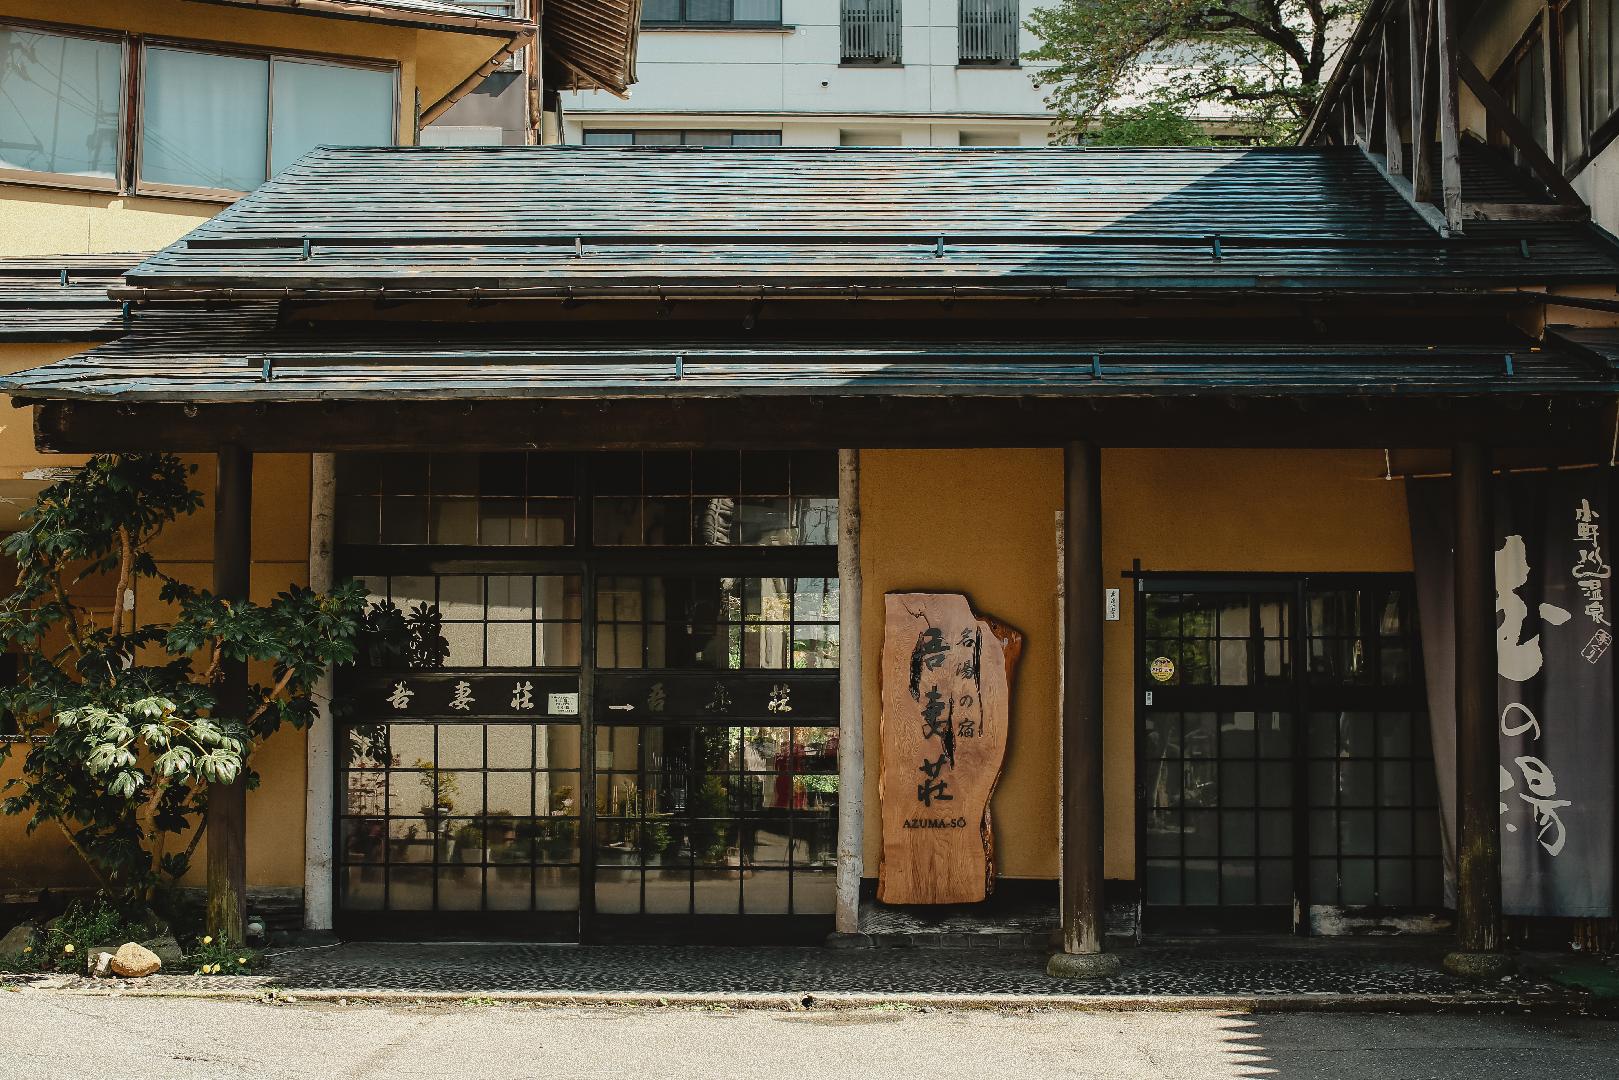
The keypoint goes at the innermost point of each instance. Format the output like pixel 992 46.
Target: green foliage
pixel 120 719
pixel 1158 123
pixel 1260 61
pixel 67 944
pixel 211 956
pixel 708 837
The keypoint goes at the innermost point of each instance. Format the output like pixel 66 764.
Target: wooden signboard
pixel 946 691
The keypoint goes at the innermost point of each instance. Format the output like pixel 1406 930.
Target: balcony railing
pixel 988 32
pixel 871 32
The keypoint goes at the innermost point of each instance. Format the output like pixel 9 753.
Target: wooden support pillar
pixel 851 726
pixel 227 803
pixel 1084 600
pixel 1478 846
pixel 1450 141
pixel 320 742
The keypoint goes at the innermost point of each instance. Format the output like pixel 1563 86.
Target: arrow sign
pixel 622 708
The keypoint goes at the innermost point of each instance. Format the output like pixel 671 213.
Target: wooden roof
pixel 248 358
pixel 451 221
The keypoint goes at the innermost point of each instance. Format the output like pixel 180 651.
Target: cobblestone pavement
pixel 1218 968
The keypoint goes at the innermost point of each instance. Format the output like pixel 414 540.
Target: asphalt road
pixel 47 1036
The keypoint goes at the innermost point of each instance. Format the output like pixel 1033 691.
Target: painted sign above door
pixel 946 694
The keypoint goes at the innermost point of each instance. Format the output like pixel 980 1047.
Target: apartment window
pixel 987 32
pixel 61 99
pixel 871 32
pixel 659 137
pixel 989 138
pixel 868 137
pixel 219 122
pixel 711 13
pixel 200 121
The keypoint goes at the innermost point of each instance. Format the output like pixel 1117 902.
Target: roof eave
pixel 472 22
pixel 685 287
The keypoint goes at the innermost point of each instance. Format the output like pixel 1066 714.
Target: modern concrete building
pixel 823 73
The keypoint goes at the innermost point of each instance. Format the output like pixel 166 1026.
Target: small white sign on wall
pixel 562 704
pixel 1112 605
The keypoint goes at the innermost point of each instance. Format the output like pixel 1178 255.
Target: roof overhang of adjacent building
pixel 591 44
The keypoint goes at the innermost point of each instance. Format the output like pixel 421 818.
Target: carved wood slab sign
pixel 946 691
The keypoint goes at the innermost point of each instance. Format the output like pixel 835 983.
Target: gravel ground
pixel 63 1036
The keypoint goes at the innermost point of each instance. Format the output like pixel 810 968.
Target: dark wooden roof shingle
pixel 256 362
pixel 538 220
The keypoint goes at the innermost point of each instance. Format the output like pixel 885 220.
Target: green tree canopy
pixel 120 728
pixel 1262 62
pixel 1158 123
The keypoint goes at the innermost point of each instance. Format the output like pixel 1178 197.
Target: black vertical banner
pixel 1555 605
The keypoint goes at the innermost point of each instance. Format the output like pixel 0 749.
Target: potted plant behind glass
pixel 469 844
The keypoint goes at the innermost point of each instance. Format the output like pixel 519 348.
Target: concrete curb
pixel 810 1001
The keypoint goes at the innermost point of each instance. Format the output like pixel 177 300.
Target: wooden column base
pixel 1479 965
pixel 1096 965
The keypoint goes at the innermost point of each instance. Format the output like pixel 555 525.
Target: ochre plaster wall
pixel 993 537
pixel 275 810
pixel 39 220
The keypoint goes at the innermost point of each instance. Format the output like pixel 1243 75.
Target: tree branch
pixel 70 617
pixel 197 834
pixel 1279 34
pixel 126 568
pixel 280 686
pixel 73 841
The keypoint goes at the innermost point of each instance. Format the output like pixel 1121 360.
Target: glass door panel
pixel 1265 784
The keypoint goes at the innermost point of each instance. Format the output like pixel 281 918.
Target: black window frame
pixel 1302 696
pixel 592 475
pixel 1011 60
pixel 866 52
pixel 685 136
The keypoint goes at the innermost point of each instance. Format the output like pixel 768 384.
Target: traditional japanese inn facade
pixel 679 462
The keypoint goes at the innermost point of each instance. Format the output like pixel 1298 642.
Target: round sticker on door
pixel 1162 669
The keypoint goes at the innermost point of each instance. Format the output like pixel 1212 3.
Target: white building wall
pixel 790 79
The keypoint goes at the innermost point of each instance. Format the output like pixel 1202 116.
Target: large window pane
pixel 317 104
pixel 59 100
pixel 204 120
